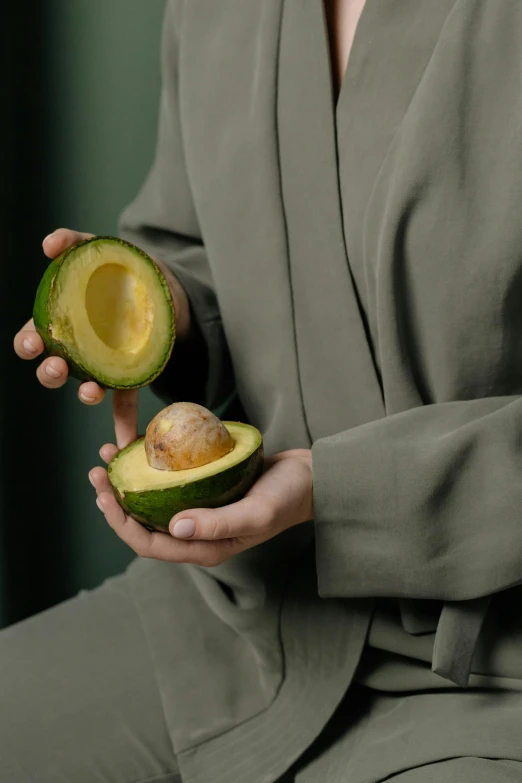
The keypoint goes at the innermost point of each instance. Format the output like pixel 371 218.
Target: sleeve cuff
pixel 357 553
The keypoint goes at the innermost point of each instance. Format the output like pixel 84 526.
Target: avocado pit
pixel 185 435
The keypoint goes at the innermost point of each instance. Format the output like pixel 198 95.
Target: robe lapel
pixel 340 385
pixel 232 95
pixel 391 51
pixel 313 352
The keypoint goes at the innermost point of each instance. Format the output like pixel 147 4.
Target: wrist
pixel 305 457
pixel 180 300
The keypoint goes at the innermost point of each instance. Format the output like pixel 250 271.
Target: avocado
pixel 105 307
pixel 153 496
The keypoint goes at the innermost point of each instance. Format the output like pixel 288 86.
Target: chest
pixel 370 292
pixel 342 17
pixel 380 141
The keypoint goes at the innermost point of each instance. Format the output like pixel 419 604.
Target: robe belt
pixel 457 632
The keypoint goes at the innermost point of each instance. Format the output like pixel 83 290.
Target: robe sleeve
pixel 162 220
pixel 422 504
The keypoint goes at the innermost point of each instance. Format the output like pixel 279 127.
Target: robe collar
pixel 339 379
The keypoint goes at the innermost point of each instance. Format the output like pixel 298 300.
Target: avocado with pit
pixel 187 459
pixel 105 307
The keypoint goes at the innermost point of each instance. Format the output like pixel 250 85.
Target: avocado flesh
pixel 154 496
pixel 105 307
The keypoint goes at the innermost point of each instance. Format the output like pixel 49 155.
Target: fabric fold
pixel 456 637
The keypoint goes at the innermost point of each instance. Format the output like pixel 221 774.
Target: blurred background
pixel 80 94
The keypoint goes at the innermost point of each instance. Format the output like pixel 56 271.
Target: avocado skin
pixel 155 508
pixel 43 324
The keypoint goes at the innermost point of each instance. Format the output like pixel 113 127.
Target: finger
pixel 251 516
pixel 90 393
pixel 60 240
pixel 125 412
pixel 129 530
pixel 27 342
pixel 157 545
pixel 52 373
pixel 108 451
pixel 114 514
pixel 100 480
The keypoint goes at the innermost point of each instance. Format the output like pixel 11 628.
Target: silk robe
pixel 354 276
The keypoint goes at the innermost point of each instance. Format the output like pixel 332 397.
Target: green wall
pixel 104 68
pixel 80 136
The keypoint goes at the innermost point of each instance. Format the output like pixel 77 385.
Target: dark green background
pixel 79 113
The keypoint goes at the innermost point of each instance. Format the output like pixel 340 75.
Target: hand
pixel 281 498
pixel 53 372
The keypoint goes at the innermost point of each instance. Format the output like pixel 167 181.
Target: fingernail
pixel 184 528
pixel 91 480
pixel 49 236
pixel 29 347
pixel 98 503
pixel 51 372
pixel 87 399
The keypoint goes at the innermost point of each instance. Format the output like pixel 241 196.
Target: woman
pixel 343 245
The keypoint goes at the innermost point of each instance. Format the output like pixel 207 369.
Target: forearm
pixel 181 302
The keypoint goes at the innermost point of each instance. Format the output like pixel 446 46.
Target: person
pixel 336 200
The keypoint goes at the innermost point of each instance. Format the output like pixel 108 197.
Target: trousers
pixel 79 702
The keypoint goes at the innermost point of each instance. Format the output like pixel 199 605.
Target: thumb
pixel 61 239
pixel 125 412
pixel 250 516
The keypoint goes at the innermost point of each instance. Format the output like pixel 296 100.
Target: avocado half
pixel 154 496
pixel 105 307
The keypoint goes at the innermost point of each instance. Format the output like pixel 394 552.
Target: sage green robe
pixel 355 284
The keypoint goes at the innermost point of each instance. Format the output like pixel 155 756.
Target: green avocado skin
pixel 43 323
pixel 155 508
